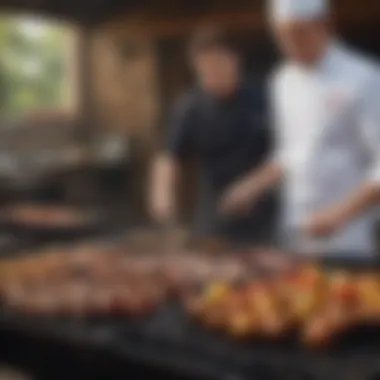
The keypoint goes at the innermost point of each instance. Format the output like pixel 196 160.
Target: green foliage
pixel 32 66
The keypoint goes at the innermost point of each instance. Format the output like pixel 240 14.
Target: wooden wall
pixel 126 98
pixel 125 81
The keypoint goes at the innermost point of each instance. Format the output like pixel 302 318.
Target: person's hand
pixel 325 223
pixel 238 199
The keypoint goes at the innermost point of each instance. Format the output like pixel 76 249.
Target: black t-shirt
pixel 228 137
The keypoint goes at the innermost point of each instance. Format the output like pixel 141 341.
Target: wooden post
pixel 80 186
pixel 85 80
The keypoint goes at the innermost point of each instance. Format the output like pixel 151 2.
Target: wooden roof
pixel 173 17
pixel 96 11
pixel 85 12
pixel 156 11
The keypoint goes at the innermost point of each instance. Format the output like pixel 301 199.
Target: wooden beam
pixel 161 25
pixel 84 76
pixel 164 27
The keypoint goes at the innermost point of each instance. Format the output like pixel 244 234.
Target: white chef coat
pixel 327 122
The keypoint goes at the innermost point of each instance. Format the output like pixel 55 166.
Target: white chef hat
pixel 289 10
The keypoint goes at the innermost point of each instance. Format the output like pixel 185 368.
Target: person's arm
pixel 167 166
pixel 241 196
pixel 165 173
pixel 367 196
pixel 363 199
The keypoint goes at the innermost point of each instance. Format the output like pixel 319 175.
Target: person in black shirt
pixel 221 122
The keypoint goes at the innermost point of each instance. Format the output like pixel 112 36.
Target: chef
pixel 220 123
pixel 326 114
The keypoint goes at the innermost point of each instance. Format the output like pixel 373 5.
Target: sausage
pixel 15 296
pixel 178 280
pixel 318 332
pixel 120 303
pixel 135 303
pixel 229 271
pixel 368 288
pixel 305 291
pixel 266 303
pixel 273 261
pixel 242 324
pixel 324 328
pixel 195 305
pixel 216 317
pixel 100 301
pixel 42 302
